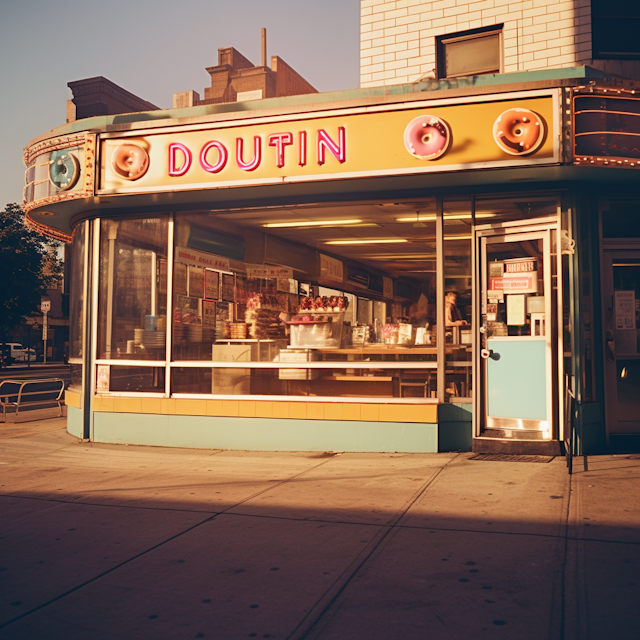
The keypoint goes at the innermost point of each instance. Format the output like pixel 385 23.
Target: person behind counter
pixel 452 315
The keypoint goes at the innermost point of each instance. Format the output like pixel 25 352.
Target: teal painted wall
pixel 264 434
pixel 74 421
pixel 517 379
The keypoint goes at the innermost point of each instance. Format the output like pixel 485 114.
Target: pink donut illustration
pixel 427 137
pixel 130 161
pixel 518 132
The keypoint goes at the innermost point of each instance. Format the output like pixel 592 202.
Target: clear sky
pixel 152 48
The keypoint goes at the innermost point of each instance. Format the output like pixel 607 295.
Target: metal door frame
pixel 512 232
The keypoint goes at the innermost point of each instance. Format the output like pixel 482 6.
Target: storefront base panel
pixel 590 429
pixel 624 443
pixel 264 434
pixel 74 421
pixel 455 427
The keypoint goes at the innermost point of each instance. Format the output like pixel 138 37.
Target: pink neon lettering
pixel 338 151
pixel 280 141
pixel 302 148
pixel 257 154
pixel 223 155
pixel 174 171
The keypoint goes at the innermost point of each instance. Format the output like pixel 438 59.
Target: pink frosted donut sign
pixel 427 137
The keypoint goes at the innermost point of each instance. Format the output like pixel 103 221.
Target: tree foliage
pixel 28 266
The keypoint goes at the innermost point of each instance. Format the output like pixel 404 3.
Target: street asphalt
pixel 112 541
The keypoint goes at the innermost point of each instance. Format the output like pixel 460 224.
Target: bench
pixel 25 393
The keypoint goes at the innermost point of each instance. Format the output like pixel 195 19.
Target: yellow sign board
pixel 432 137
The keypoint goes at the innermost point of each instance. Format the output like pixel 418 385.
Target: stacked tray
pixel 154 339
pixel 178 332
pixel 194 332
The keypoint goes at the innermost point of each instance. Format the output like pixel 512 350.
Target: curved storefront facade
pixel 365 271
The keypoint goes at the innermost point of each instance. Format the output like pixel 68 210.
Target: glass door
pixel 622 341
pixel 518 298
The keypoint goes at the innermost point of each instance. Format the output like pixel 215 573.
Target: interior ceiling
pixel 415 256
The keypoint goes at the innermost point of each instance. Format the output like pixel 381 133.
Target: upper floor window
pixel 469 53
pixel 615 28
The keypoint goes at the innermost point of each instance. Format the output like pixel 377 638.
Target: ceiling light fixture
pixel 423 217
pixel 369 241
pixel 311 223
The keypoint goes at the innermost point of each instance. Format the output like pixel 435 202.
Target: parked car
pixel 15 352
pixel 28 355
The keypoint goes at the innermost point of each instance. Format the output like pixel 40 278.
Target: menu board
pixel 196 282
pixel 223 313
pixel 162 276
pixel 211 284
pixel 180 279
pixel 241 289
pixel 228 286
pixel 208 313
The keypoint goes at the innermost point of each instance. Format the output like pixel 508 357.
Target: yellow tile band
pixel 366 412
pixel 73 399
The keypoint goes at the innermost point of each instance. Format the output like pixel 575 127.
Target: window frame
pixel 461 36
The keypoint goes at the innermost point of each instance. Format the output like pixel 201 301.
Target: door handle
pixel 611 346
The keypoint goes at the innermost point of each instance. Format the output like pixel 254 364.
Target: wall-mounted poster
pixel 626 334
pixel 211 284
pixel 208 313
pixel 180 279
pixel 228 285
pixel 196 282
pixel 516 315
pixel 103 378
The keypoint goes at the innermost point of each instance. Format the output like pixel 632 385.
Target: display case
pixel 317 330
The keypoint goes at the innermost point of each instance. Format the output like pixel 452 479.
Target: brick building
pixel 407 40
pixel 233 79
pixel 101 97
pixel 236 79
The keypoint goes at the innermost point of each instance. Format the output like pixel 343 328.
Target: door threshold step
pixel 511 446
pixel 505 457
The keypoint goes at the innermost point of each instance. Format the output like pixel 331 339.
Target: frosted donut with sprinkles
pixel 519 132
pixel 427 137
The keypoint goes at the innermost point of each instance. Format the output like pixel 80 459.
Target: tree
pixel 28 266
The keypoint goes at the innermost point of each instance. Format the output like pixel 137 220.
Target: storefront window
pixel 130 379
pixel 132 301
pixel 335 286
pixel 76 298
pixel 458 238
pixel 515 208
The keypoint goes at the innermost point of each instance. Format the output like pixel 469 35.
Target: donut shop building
pixel 372 270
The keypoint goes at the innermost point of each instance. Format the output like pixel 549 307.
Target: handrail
pixel 21 396
pixel 571 436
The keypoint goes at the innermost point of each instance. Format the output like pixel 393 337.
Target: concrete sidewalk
pixel 110 541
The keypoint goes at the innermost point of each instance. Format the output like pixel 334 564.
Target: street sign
pixel 45 306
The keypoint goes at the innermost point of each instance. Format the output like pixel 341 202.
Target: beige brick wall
pixel 397 37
